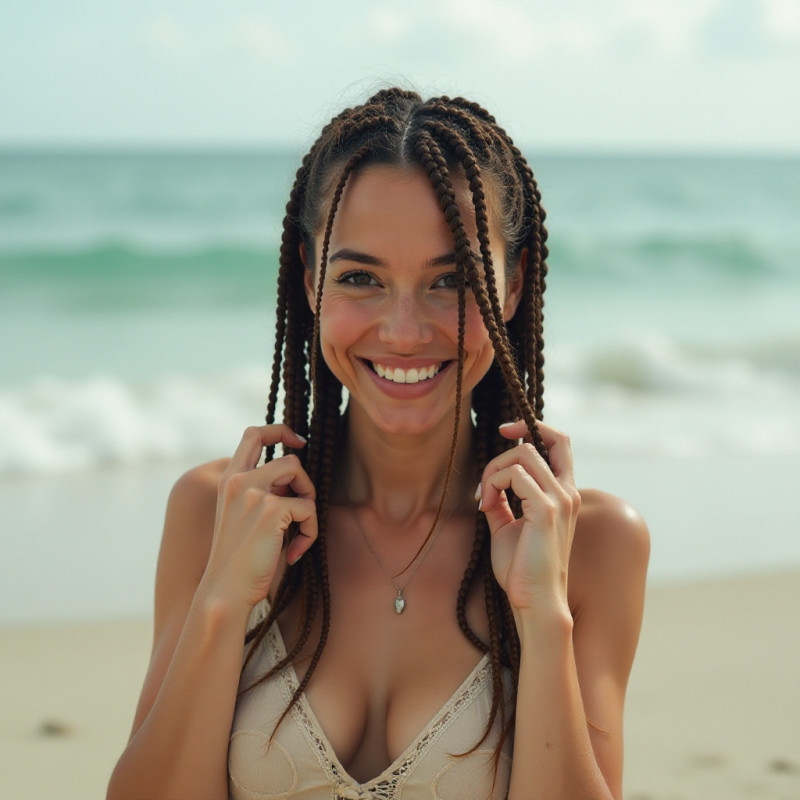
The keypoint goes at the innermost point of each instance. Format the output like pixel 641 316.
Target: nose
pixel 405 324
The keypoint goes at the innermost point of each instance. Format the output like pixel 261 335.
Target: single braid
pixel 538 247
pixel 496 651
pixel 473 174
pixel 290 242
pixel 323 481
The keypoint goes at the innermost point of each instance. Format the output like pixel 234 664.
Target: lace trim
pixel 385 786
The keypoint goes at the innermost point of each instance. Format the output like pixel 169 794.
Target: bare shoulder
pixel 610 550
pixel 185 547
pixel 608 522
pixel 200 482
pixel 193 501
pixel 188 531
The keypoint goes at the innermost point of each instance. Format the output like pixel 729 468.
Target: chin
pixel 413 424
pixel 404 427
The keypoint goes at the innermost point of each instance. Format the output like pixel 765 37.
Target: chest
pixel 383 676
pixel 297 759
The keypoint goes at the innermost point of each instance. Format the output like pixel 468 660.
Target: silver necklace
pixel 399 600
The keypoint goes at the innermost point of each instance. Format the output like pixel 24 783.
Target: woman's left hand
pixel 530 555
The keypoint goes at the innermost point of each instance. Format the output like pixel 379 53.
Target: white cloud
pixel 505 30
pixel 517 32
pixel 259 39
pixel 783 19
pixel 389 25
pixel 670 27
pixel 251 36
pixel 165 35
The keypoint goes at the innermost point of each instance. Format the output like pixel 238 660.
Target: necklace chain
pixel 399 601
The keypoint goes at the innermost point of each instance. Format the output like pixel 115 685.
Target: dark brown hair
pixel 443 137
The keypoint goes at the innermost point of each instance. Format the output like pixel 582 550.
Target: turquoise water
pixel 136 303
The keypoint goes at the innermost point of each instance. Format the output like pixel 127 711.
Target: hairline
pixel 408 168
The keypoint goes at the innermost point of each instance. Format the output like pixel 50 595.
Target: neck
pixel 402 476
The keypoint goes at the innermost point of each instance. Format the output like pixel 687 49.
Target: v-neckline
pixel 319 733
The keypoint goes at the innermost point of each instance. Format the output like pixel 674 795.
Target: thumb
pixel 514 430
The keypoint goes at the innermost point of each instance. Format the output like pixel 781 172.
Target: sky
pixel 576 75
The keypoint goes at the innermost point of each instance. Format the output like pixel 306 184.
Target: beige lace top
pixel 300 762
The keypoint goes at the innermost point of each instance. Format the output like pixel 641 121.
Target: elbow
pixel 128 783
pixel 115 789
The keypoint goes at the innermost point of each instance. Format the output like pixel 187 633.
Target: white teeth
pixel 412 375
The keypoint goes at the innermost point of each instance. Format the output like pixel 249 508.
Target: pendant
pixel 399 603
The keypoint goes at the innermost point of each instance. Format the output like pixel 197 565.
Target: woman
pixel 407 634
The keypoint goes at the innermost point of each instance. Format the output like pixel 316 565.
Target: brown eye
pixel 356 278
pixel 447 281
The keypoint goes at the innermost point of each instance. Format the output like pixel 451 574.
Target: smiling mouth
pixel 412 375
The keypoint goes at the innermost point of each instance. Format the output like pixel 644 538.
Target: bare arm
pixel 574 670
pixel 575 584
pixel 222 538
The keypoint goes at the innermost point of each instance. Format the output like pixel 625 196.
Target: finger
pixel 304 512
pixel 528 457
pixel 559 449
pixel 287 471
pixel 515 477
pixel 255 438
pixel 277 477
pixel 556 441
pixel 515 430
pixel 495 505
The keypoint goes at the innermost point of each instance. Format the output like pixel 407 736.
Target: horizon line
pixel 264 148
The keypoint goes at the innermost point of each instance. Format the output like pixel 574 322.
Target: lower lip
pixel 406 391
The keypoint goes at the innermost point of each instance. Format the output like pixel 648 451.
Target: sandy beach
pixel 713 704
pixel 712 708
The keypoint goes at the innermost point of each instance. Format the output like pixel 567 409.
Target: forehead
pixel 384 203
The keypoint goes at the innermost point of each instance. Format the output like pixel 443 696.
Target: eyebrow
pixel 346 254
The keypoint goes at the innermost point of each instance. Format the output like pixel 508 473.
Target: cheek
pixel 340 319
pixel 341 326
pixel 476 337
pixel 478 344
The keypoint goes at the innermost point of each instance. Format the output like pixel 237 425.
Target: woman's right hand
pixel 255 507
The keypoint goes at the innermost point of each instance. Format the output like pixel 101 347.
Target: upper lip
pixel 407 363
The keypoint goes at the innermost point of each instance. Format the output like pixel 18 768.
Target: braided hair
pixel 443 137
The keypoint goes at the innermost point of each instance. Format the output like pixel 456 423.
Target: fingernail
pixel 479 492
pixel 297 559
pixel 506 424
pixel 480 504
pixel 301 438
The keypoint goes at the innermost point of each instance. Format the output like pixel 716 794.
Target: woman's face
pixel 389 316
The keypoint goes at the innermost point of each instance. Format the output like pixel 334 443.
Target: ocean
pixel 137 305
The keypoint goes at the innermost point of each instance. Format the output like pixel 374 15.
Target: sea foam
pixel 55 425
pixel 646 396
